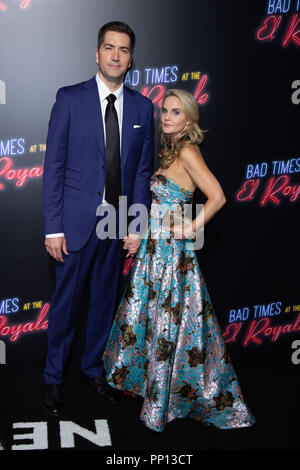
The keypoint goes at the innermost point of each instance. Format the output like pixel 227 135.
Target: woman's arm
pixel 194 164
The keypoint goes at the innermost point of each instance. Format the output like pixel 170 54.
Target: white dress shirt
pixel 103 92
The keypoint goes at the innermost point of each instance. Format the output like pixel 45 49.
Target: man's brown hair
pixel 119 27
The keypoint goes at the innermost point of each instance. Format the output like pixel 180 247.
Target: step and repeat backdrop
pixel 241 62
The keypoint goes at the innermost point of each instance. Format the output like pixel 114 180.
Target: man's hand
pixel 131 243
pixel 55 246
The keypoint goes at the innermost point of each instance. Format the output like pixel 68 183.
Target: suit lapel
pixel 127 124
pixel 92 102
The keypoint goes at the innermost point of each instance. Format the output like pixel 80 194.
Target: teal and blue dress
pixel 165 343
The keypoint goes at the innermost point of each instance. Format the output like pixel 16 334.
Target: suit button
pixel 99 194
pixel 103 167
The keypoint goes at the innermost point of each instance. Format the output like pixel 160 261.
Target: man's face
pixel 114 56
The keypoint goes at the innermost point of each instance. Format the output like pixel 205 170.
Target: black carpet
pixel 273 398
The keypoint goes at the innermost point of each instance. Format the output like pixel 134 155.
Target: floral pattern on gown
pixel 165 343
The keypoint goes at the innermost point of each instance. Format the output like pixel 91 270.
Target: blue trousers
pixel 102 260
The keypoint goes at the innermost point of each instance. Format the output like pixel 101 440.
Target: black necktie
pixel 112 147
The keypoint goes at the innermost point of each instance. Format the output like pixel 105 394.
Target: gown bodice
pixel 166 191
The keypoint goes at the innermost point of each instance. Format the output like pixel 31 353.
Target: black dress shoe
pixel 52 399
pixel 101 387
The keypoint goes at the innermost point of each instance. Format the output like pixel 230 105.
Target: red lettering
pixel 44 311
pixel 24 4
pixel 235 327
pixel 158 98
pixel 267 330
pixel 270 192
pixel 296 326
pixel 247 191
pixel 295 193
pixel 5 331
pixel 268 28
pixel 274 188
pixel 291 35
pixel 11 174
pixel 20 175
pixel 2 322
pixel 199 97
pixel 287 328
pixel 287 190
pixel 6 166
pixel 28 327
pixel 252 333
pixel 35 172
pixel 160 90
pixel 16 330
pixel 276 332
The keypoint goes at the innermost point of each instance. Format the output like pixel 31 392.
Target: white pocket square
pixel 136 126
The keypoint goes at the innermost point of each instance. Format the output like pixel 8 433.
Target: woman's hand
pixel 131 243
pixel 188 233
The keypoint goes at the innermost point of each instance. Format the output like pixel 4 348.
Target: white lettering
pixel 296 354
pixel 2 352
pixel 296 94
pixel 2 92
pixel 101 437
pixel 39 436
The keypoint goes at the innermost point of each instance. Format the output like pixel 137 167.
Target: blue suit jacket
pixel 74 168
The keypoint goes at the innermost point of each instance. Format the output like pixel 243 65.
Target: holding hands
pixel 131 243
pixel 56 245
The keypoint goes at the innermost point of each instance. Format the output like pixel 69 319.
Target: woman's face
pixel 173 120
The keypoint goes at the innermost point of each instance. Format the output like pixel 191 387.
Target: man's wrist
pixel 54 235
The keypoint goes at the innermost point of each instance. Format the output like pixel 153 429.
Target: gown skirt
pixel 165 343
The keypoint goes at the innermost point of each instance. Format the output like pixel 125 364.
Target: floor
pixel 273 397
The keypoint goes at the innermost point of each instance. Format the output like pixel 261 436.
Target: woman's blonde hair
pixel 192 135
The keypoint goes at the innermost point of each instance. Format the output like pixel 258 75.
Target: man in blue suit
pixel 99 147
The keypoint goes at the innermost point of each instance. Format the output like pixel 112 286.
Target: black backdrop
pixel 250 107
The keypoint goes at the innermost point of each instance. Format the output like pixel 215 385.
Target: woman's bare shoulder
pixel 190 152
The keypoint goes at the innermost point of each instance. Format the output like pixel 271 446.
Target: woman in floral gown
pixel 165 343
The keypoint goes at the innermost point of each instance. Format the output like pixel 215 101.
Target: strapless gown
pixel 165 343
